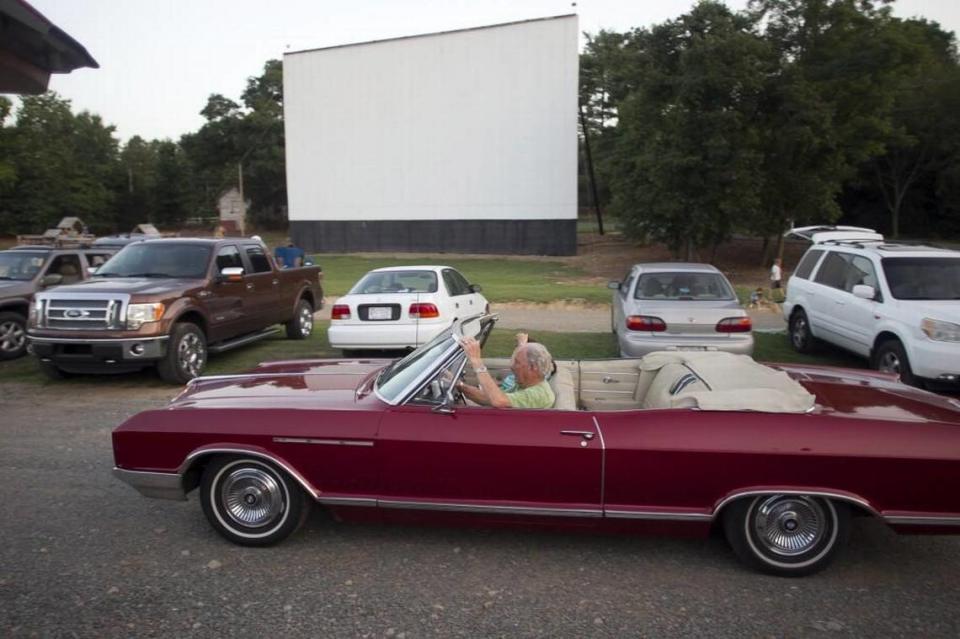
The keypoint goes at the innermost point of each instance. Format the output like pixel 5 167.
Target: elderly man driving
pixel 530 363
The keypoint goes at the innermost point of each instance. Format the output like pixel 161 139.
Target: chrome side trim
pixel 185 466
pixel 348 501
pixel 217 378
pixel 156 485
pixel 795 491
pixel 481 508
pixel 922 520
pixel 96 340
pixel 651 515
pixel 325 442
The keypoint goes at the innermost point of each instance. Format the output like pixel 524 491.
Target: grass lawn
pixel 505 280
pixel 770 348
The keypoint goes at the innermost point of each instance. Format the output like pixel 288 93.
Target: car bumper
pixel 638 345
pixel 936 360
pixel 96 353
pixel 376 336
pixel 156 485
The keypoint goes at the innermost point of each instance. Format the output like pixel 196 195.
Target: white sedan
pixel 402 307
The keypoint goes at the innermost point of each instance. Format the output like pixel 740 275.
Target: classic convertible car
pixel 777 457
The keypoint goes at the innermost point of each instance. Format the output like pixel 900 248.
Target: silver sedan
pixel 678 306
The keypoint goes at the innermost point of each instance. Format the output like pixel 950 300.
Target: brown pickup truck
pixel 170 303
pixel 25 270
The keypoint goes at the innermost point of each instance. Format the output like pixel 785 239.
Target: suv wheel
pixel 186 355
pixel 891 357
pixel 13 335
pixel 801 338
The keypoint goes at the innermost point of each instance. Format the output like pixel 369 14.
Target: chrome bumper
pixel 156 485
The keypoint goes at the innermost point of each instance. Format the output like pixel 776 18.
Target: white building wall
pixel 478 124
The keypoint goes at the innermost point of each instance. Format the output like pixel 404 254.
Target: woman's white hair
pixel 538 358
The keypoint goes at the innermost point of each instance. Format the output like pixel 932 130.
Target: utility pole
pixel 593 178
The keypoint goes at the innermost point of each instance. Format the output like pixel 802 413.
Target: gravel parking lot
pixel 84 555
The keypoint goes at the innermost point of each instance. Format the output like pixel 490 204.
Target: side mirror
pixel 475 288
pixel 308 262
pixel 232 274
pixel 51 280
pixel 92 270
pixel 864 292
pixel 613 286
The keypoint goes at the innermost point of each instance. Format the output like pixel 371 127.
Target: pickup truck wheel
pixel 186 355
pixel 251 502
pixel 786 535
pixel 13 335
pixel 301 326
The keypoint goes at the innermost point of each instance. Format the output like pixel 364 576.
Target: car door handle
pixel 586 434
pixel 275 282
pixel 249 286
pixel 609 380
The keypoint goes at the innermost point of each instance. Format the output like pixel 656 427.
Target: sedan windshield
pixel 22 266
pixel 158 260
pixel 396 282
pixel 396 379
pixel 683 286
pixel 923 278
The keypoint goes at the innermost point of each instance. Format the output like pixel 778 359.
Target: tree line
pixel 55 163
pixel 724 122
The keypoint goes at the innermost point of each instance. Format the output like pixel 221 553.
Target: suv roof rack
pixel 825 233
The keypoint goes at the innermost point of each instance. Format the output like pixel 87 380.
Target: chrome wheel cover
pixel 251 497
pixel 191 354
pixel 799 331
pixel 889 363
pixel 12 337
pixel 790 525
pixel 306 320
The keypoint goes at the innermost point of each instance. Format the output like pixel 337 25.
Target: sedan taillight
pixel 646 323
pixel 423 311
pixel 735 325
pixel 340 311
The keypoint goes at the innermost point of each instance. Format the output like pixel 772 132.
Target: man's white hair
pixel 538 358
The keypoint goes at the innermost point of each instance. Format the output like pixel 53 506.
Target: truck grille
pixel 81 314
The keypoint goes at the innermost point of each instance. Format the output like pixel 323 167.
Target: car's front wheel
pixel 801 338
pixel 13 335
pixel 786 535
pixel 301 326
pixel 891 357
pixel 251 502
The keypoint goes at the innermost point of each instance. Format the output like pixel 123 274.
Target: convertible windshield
pixel 158 260
pixel 923 278
pixel 683 286
pixel 20 265
pixel 396 379
pixel 396 282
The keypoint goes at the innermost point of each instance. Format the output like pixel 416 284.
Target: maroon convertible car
pixel 777 457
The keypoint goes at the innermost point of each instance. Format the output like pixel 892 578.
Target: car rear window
pixel 805 267
pixel 683 286
pixel 396 282
pixel 923 278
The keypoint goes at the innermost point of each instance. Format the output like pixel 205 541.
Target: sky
pixel 161 59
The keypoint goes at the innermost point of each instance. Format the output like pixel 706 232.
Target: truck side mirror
pixel 232 274
pixel 613 285
pixel 864 292
pixel 475 288
pixel 51 280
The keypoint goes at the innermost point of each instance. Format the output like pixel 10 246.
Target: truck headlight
pixel 940 331
pixel 138 314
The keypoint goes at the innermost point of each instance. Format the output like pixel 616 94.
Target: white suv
pixel 896 304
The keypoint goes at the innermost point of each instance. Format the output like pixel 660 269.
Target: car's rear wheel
pixel 13 335
pixel 786 535
pixel 801 338
pixel 251 502
pixel 891 357
pixel 301 326
pixel 186 355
